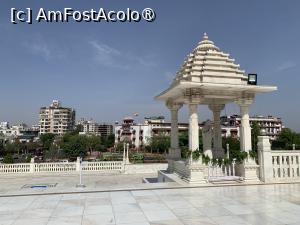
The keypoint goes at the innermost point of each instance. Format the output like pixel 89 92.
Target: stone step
pixel 225 180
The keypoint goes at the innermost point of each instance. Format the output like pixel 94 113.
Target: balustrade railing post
pixel 32 166
pixel 265 159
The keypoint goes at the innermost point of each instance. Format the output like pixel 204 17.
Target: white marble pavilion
pixel 210 77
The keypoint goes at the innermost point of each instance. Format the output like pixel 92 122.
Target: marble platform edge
pixel 90 191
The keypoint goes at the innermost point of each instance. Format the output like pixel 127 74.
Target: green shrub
pixel 107 157
pixel 185 153
pixel 8 159
pixel 205 159
pixel 137 157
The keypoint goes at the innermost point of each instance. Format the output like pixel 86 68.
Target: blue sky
pixel 110 70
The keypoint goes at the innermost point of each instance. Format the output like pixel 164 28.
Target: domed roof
pixel 207 63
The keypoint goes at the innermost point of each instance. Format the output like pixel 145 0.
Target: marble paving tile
pixel 143 193
pixel 67 211
pixel 138 223
pixel 260 219
pixel 239 209
pixel 214 211
pixel 122 208
pixel 6 222
pixel 167 222
pixel 176 204
pixel 158 215
pixel 36 213
pixel 286 217
pixel 187 212
pixel 98 219
pixel 229 220
pixel 130 217
pixel 31 221
pixel 98 209
pixel 197 220
pixel 153 206
pixel 66 220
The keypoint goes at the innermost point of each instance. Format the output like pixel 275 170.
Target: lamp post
pixel 81 185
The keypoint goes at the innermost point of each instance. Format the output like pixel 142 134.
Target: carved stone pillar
pixel 249 169
pixel 218 151
pixel 174 151
pixel 245 129
pixel 193 127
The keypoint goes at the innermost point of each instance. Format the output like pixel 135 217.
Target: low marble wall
pixel 145 168
pixel 73 167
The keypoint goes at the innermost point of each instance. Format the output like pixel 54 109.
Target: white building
pixel 20 132
pixel 4 125
pixel 140 133
pixel 56 119
pixel 272 125
pixel 94 128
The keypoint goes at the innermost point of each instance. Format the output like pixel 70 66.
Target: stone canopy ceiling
pixel 209 75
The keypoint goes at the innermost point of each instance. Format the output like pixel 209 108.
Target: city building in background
pixel 20 132
pixel 56 119
pixel 139 134
pixel 272 125
pixel 90 127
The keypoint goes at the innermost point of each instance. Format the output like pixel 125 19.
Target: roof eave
pixel 171 91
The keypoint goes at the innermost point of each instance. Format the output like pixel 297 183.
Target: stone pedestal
pixel 196 173
pixel 249 170
pixel 170 168
pixel 192 173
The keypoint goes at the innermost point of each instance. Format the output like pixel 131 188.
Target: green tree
pixel 94 143
pixel 108 141
pixel 160 143
pixel 75 145
pixel 183 139
pixel 47 140
pixel 79 128
pixel 54 153
pixel 286 139
pixel 13 148
pixel 9 148
pixel 31 146
pixel 120 146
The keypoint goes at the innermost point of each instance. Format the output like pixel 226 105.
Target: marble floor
pixel 227 205
pixel 14 185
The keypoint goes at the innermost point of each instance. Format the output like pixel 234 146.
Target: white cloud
pixel 286 66
pixel 39 47
pixel 112 57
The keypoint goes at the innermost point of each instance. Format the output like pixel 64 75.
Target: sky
pixel 107 71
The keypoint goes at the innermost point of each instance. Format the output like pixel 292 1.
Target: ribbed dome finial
pixel 205 43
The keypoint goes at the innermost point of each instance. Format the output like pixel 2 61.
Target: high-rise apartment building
pixel 56 119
